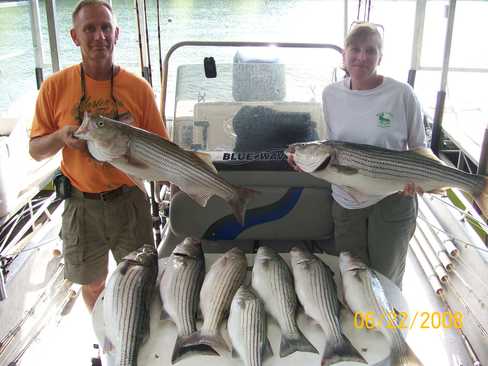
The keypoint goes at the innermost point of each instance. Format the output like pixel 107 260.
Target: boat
pixel 240 105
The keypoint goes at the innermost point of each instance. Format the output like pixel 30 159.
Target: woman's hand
pixel 410 189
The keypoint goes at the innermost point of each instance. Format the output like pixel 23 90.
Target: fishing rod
pixel 146 73
pixel 438 289
pixel 159 46
pixel 468 309
pixel 469 348
pixel 469 288
pixel 148 53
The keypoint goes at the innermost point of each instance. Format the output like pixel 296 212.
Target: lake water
pixel 318 21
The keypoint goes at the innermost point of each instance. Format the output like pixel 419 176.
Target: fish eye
pixel 100 123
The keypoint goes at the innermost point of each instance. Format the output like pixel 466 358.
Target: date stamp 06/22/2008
pixel 405 320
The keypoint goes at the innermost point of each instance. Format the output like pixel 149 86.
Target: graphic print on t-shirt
pixel 384 119
pixel 103 106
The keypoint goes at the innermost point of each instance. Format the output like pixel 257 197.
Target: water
pixel 266 20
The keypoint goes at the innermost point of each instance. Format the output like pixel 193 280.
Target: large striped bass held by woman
pixel 143 155
pixel 377 171
pixel 126 304
pixel 180 289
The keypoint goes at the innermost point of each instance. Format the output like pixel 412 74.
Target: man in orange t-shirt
pixel 106 211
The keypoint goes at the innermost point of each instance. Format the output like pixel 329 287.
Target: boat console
pixel 244 117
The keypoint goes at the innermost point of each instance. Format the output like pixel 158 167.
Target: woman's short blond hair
pixel 361 32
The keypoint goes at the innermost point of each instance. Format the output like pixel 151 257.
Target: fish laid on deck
pixel 364 294
pixel 377 171
pixel 223 279
pixel 126 304
pixel 317 293
pixel 247 327
pixel 180 289
pixel 273 282
pixel 143 155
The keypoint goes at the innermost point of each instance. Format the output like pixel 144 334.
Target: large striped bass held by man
pixel 364 294
pixel 180 290
pixel 377 171
pixel 143 155
pixel 126 304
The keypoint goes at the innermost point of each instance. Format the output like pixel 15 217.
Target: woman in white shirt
pixel 372 109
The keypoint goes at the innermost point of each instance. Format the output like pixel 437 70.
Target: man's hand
pixel 66 135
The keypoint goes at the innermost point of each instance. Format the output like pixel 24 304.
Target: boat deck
pixel 69 338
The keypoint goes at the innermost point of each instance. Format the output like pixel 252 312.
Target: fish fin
pixel 438 191
pixel 138 182
pixel 266 350
pixel 207 344
pixel 298 343
pixel 346 170
pixel 355 194
pixel 412 359
pixel 200 198
pixel 107 345
pixel 186 344
pixel 164 314
pixel 426 152
pixel 335 352
pixel 482 198
pixel 207 159
pixel 239 202
pixel 134 162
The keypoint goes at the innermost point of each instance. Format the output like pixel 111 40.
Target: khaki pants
pixel 90 228
pixel 378 234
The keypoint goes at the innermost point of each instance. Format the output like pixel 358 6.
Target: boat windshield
pixel 254 103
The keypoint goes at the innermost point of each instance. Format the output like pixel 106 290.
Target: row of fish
pixel 222 291
pixel 274 290
pixel 359 168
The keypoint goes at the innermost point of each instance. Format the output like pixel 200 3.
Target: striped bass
pixel 273 282
pixel 143 155
pixel 180 288
pixel 377 171
pixel 223 279
pixel 247 327
pixel 317 293
pixel 126 304
pixel 364 295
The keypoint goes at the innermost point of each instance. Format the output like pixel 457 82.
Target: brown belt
pixel 106 196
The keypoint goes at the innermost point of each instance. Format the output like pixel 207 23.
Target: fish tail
pixel 239 202
pixel 410 358
pixel 482 198
pixel 291 345
pixel 343 350
pixel 185 344
pixel 206 344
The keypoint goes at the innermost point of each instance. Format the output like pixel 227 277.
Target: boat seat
pixel 253 126
pixel 289 206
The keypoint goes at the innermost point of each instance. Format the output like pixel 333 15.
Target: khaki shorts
pixel 91 228
pixel 379 234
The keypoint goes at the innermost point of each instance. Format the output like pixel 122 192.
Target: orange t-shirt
pixel 58 105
